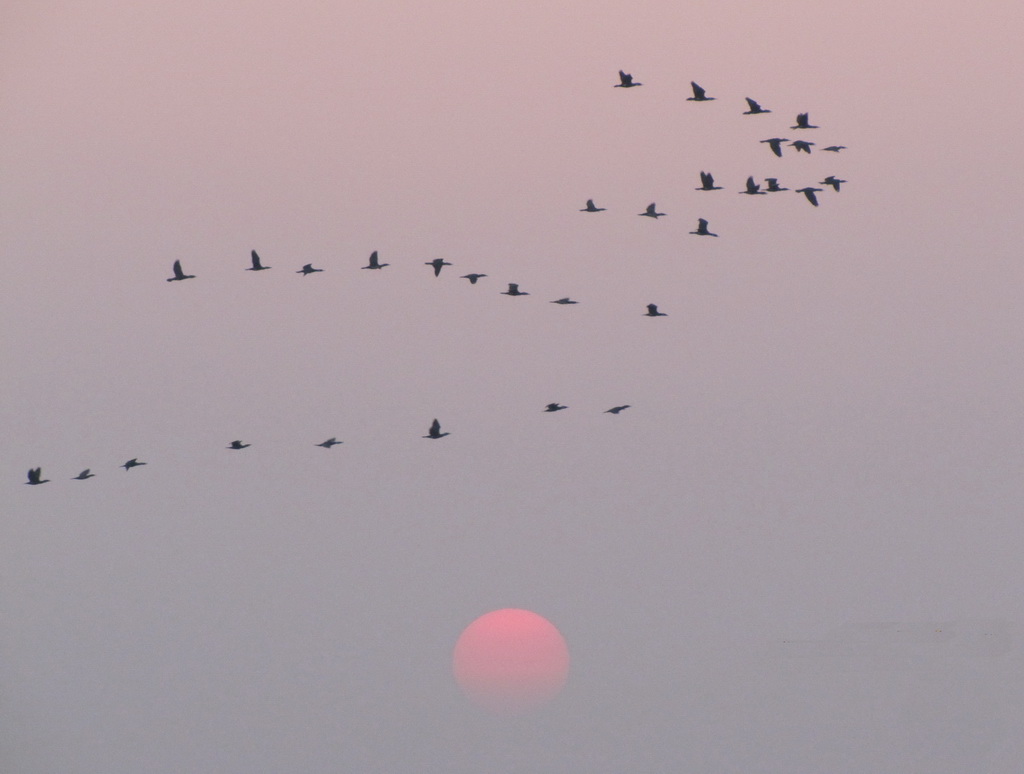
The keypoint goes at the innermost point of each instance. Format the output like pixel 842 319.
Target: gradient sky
pixel 798 551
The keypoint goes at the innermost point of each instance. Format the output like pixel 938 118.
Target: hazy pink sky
pixel 797 551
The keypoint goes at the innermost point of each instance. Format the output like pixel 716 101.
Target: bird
pixel 307 269
pixel 437 263
pixel 775 143
pixel 591 208
pixel 752 187
pixel 698 94
pixel 803 122
pixel 83 475
pixel 626 81
pixel 554 407
pixel 256 265
pixel 179 274
pixel 239 445
pixel 835 148
pixel 702 228
pixel 35 476
pixel 472 277
pixel 435 431
pixel 565 300
pixel 802 145
pixel 754 108
pixel 809 193
pixel 773 185
pixel 133 463
pixel 650 212
pixel 329 443
pixel 513 290
pixel 617 409
pixel 652 311
pixel 833 181
pixel 707 183
pixel 374 262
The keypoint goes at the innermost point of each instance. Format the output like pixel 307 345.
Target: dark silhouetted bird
pixel 752 187
pixel 617 409
pixel 802 145
pixel 472 277
pixel 554 407
pixel 239 445
pixel 702 228
pixel 132 463
pixel 707 183
pixel 591 208
pixel 307 269
pixel 775 143
pixel 835 148
pixel 329 443
pixel 755 109
pixel 833 181
pixel 513 290
pixel 803 122
pixel 652 311
pixel 256 265
pixel 626 81
pixel 773 185
pixel 83 475
pixel 699 94
pixel 438 264
pixel 565 300
pixel 179 274
pixel 374 262
pixel 809 193
pixel 435 431
pixel 35 476
pixel 651 213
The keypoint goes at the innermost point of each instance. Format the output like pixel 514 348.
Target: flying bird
pixel 833 181
pixel 809 193
pixel 803 122
pixel 256 265
pixel 133 463
pixel 307 269
pixel 565 300
pixel 802 145
pixel 702 228
pixel 35 476
pixel 437 263
pixel 83 475
pixel 773 185
pixel 591 208
pixel 752 187
pixel 374 262
pixel 179 274
pixel 650 212
pixel 707 183
pixel 554 407
pixel 652 311
pixel 513 290
pixel 835 148
pixel 239 445
pixel 626 81
pixel 472 277
pixel 698 94
pixel 754 108
pixel 435 431
pixel 329 443
pixel 775 143
pixel 617 409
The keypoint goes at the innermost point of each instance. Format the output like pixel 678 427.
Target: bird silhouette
pixel 256 265
pixel 617 409
pixel 133 463
pixel 835 148
pixel 651 213
pixel 802 145
pixel 307 269
pixel 652 311
pixel 83 475
pixel 179 274
pixel 239 445
pixel 698 94
pixel 775 143
pixel 435 431
pixel 833 181
pixel 591 208
pixel 773 185
pixel 755 109
pixel 809 193
pixel 329 443
pixel 702 228
pixel 626 81
pixel 803 122
pixel 752 188
pixel 565 300
pixel 554 407
pixel 707 183
pixel 513 290
pixel 35 476
pixel 472 277
pixel 374 262
pixel 438 264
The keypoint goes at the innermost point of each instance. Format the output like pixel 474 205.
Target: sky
pixel 798 549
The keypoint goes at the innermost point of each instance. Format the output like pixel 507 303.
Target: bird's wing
pixel 754 107
pixel 255 260
pixel 177 269
pixel 698 92
pixel 624 78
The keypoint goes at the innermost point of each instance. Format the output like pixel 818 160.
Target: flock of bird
pixel 707 183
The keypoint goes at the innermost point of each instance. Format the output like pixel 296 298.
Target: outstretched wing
pixel 698 92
